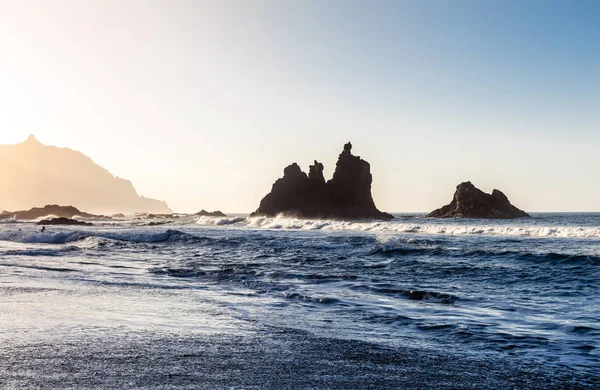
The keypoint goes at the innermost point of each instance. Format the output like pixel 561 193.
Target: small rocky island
pixel 63 221
pixel 346 196
pixel 46 211
pixel 470 202
pixel 204 213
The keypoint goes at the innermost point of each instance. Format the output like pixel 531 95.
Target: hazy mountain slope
pixel 33 174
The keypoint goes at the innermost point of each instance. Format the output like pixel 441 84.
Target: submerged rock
pixel 346 196
pixel 430 296
pixel 63 221
pixel 158 223
pixel 204 213
pixel 470 202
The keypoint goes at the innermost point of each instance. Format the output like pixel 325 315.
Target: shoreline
pixel 266 358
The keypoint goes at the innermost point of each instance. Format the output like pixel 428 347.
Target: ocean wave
pixel 39 267
pixel 414 295
pixel 424 228
pixel 548 257
pixel 537 257
pixel 225 273
pixel 405 250
pixel 177 272
pixel 28 237
pixel 310 299
pixel 64 237
pixel 9 221
pixel 219 221
pixel 60 251
pixel 137 236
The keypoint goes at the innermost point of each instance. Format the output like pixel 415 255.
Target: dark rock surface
pixel 53 209
pixel 63 221
pixel 346 196
pixel 471 202
pixel 204 213
pixel 160 216
pixel 316 172
pixel 158 223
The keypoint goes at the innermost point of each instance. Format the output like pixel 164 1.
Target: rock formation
pixel 159 216
pixel 346 196
pixel 33 174
pixel 48 210
pixel 204 213
pixel 63 221
pixel 471 202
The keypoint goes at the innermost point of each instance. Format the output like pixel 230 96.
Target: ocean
pixel 238 302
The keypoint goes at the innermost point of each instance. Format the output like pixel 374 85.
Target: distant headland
pixel 33 174
pixel 346 196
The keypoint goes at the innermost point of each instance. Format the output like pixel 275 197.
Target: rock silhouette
pixel 204 213
pixel 471 202
pixel 346 196
pixel 63 221
pixel 52 209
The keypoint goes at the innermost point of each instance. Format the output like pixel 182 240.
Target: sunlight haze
pixel 202 104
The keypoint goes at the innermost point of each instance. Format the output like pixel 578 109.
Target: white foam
pixel 500 229
pixel 219 220
pixel 63 237
pixel 144 236
pixel 30 237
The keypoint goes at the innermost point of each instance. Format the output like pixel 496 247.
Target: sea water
pixel 282 302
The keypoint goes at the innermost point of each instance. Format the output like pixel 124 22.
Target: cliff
pixel 33 174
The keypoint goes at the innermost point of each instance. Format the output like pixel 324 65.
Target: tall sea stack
pixel 346 196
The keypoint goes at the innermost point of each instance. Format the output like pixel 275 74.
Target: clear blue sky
pixel 203 104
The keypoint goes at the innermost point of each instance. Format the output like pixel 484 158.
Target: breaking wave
pixel 501 229
pixel 134 236
pixel 217 221
pixel 28 237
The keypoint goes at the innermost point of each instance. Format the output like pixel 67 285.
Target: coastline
pixel 259 356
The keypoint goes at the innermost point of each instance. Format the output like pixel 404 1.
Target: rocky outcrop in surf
pixel 63 221
pixel 346 196
pixel 470 202
pixel 46 211
pixel 204 213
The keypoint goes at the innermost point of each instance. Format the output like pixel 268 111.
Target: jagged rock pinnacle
pixel 348 147
pixel 32 139
pixel 346 196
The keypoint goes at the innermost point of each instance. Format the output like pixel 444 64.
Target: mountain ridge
pixel 34 174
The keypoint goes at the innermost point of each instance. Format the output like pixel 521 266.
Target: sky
pixel 203 103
